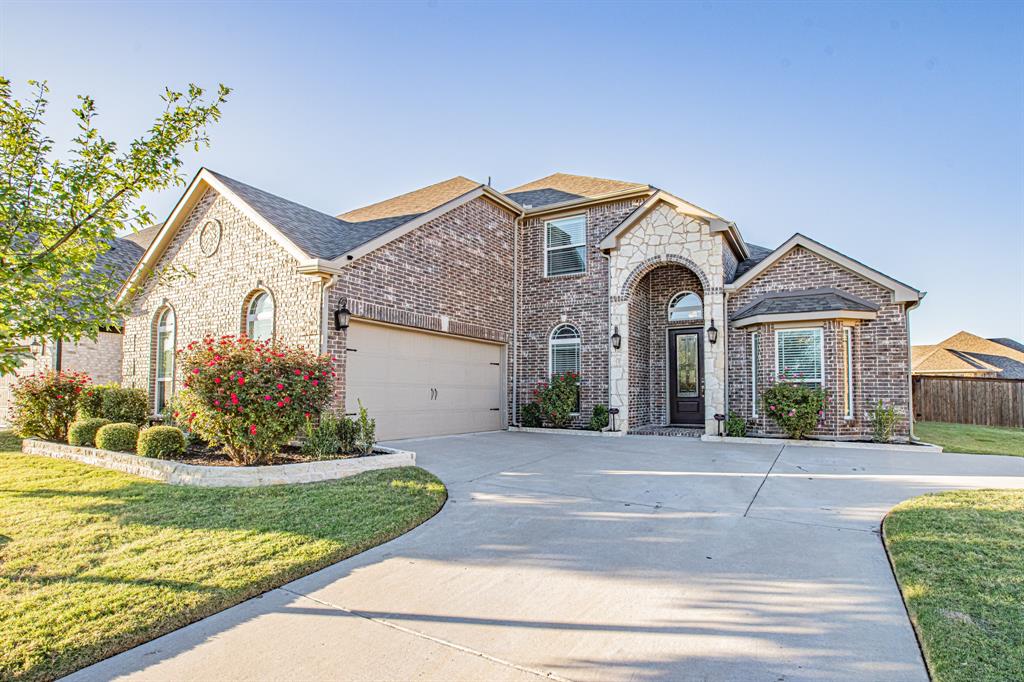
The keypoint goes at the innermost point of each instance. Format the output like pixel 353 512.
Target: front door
pixel 686 376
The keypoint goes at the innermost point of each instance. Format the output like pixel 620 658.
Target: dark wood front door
pixel 686 376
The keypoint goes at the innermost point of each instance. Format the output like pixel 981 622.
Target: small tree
pixel 58 215
pixel 795 406
pixel 45 404
pixel 251 397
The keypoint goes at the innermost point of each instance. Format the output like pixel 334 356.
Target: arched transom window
pixel 564 350
pixel 163 387
pixel 684 306
pixel 259 317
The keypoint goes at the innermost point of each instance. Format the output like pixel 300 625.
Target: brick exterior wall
pixel 453 274
pixel 580 300
pixel 212 301
pixel 880 348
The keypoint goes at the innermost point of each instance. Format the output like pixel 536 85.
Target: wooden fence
pixel 965 400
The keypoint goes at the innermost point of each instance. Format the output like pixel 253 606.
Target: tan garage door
pixel 421 384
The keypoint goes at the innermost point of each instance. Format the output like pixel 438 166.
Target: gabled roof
pixel 559 188
pixel 902 293
pixel 412 204
pixel 966 352
pixel 757 254
pixel 808 304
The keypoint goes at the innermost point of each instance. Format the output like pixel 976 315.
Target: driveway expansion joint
pixel 763 480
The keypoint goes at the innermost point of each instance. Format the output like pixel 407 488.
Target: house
pixel 101 359
pixel 968 355
pixel 444 307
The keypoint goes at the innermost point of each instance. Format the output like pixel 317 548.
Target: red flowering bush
pixel 558 399
pixel 795 406
pixel 250 397
pixel 45 404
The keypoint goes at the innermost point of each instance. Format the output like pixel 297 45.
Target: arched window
pixel 684 306
pixel 259 317
pixel 163 387
pixel 564 353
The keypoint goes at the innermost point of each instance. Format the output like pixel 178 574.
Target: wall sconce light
pixel 341 317
pixel 36 347
pixel 712 332
pixel 616 339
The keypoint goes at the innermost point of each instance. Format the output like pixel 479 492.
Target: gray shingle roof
pixel 806 301
pixel 1009 343
pixel 757 254
pixel 560 187
pixel 318 234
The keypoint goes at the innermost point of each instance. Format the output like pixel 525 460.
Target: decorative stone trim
pixel 898 447
pixel 567 432
pixel 662 259
pixel 180 473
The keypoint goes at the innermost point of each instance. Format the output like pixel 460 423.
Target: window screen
pixel 798 354
pixel 566 245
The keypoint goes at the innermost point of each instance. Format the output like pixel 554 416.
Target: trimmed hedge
pixel 114 402
pixel 120 437
pixel 83 431
pixel 161 442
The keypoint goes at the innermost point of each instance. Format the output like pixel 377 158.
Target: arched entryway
pixel 666 347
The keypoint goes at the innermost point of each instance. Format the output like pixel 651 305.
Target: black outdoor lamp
pixel 341 317
pixel 36 347
pixel 616 339
pixel 712 332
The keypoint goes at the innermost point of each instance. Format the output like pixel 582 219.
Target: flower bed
pixel 225 475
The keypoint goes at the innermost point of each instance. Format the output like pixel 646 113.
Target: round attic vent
pixel 209 237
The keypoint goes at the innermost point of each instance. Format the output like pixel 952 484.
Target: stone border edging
pixel 898 447
pixel 180 473
pixel 566 432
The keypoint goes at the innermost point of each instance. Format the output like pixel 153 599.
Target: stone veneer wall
pixel 666 236
pixel 580 300
pixel 880 361
pixel 212 301
pixel 453 274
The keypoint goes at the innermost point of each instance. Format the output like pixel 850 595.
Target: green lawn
pixel 93 562
pixel 959 559
pixel 978 440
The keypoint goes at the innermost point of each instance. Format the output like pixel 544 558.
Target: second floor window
pixel 565 246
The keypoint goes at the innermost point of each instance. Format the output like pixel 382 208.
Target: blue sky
pixel 891 132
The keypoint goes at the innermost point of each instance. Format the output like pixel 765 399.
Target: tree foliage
pixel 60 211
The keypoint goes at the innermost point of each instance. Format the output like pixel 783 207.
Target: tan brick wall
pixel 880 347
pixel 212 301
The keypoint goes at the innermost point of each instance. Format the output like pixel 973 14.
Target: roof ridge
pixel 575 175
pixel 393 199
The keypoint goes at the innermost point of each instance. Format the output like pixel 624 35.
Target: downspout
pixel 325 285
pixel 910 372
pixel 516 225
pixel 725 353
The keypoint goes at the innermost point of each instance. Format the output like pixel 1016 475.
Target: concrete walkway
pixel 638 558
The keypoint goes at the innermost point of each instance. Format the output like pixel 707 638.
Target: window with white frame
pixel 565 246
pixel 755 366
pixel 848 374
pixel 564 353
pixel 163 387
pixel 684 306
pixel 799 355
pixel 259 317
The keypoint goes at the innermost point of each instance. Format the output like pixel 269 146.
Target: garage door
pixel 420 384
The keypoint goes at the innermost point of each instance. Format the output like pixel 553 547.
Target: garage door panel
pixel 394 372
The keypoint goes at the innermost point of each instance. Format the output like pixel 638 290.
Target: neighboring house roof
pixel 968 353
pixel 808 304
pixel 143 237
pixel 415 203
pixel 562 187
pixel 902 293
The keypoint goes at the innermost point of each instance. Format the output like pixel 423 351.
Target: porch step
pixel 660 430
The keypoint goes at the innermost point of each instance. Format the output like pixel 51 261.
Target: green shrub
pixel 531 416
pixel 114 402
pixel 322 439
pixel 161 442
pixel 559 398
pixel 45 403
pixel 883 422
pixel 367 435
pixel 251 397
pixel 735 426
pixel 347 431
pixel 119 437
pixel 796 407
pixel 83 431
pixel 599 418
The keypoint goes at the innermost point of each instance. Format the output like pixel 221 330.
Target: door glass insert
pixel 686 366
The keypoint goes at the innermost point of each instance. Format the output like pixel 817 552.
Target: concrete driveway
pixel 638 558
